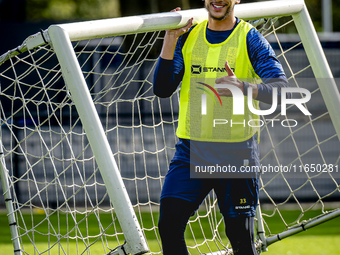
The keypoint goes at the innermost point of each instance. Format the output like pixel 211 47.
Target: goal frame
pixel 60 38
pixel 171 20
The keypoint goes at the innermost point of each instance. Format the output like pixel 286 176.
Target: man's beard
pixel 226 14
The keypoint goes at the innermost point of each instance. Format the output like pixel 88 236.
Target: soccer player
pixel 224 50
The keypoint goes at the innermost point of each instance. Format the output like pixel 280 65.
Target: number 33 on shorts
pixel 243 201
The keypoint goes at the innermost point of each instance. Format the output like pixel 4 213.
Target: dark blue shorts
pixel 236 196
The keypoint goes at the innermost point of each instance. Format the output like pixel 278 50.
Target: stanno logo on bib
pixel 198 69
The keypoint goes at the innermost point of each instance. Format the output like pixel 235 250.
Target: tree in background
pixel 57 10
pixel 68 10
pixel 315 10
pixel 71 9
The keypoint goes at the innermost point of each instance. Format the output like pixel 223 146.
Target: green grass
pixel 322 239
pixel 306 245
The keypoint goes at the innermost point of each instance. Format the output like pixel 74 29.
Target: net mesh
pixel 60 201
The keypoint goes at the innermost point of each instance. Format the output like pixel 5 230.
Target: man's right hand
pixel 176 33
pixel 171 37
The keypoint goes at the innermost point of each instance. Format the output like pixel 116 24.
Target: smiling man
pixel 220 10
pixel 220 50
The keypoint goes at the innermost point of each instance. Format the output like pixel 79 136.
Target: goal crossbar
pixel 155 22
pixel 172 20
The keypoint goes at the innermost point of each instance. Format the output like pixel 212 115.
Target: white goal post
pixel 60 39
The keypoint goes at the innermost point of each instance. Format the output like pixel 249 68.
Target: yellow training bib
pixel 203 116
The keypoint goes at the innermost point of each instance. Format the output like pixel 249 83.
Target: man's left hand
pixel 231 79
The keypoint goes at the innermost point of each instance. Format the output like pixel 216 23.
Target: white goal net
pixel 54 193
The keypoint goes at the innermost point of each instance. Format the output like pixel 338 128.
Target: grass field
pixel 322 239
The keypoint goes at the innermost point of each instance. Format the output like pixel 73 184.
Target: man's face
pixel 220 9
